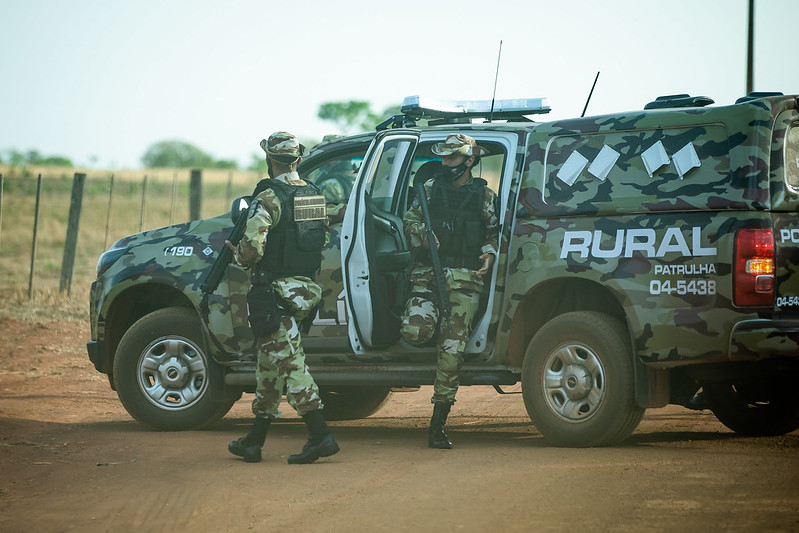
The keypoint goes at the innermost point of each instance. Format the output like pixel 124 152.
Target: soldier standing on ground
pixel 465 223
pixel 283 245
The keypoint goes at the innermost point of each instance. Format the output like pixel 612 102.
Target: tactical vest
pixel 457 222
pixel 294 245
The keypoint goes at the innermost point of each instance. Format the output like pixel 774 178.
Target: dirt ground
pixel 72 459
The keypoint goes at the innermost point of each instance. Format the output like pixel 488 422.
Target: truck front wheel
pixel 578 383
pixel 163 375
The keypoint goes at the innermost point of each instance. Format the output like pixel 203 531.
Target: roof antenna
pixel 496 77
pixel 589 94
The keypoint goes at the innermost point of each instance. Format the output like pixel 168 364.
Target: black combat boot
pixel 437 438
pixel 249 447
pixel 320 442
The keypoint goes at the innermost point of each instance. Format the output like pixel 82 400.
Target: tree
pixel 176 154
pixel 56 161
pixel 257 163
pixel 354 115
pixel 17 158
pixel 34 157
pixel 226 164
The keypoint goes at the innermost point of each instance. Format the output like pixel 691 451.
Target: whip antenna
pixel 496 77
pixel 589 94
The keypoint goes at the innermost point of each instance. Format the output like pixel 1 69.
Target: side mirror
pixel 239 206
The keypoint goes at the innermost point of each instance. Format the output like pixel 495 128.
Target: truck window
pixel 792 156
pixel 336 177
pixel 382 181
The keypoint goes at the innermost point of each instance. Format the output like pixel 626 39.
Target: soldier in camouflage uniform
pixel 282 244
pixel 336 180
pixel 464 219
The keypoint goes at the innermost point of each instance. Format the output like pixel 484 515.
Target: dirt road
pixel 71 459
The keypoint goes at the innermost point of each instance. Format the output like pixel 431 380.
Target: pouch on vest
pixel 309 217
pixel 263 311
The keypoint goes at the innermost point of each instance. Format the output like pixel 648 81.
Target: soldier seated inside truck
pixel 386 199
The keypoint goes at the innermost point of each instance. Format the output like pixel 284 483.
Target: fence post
pixel 195 194
pixel 71 244
pixel 35 235
pixel 108 215
pixel 174 197
pixel 229 189
pixel 143 203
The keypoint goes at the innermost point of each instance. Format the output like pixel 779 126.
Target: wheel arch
pixel 559 296
pixel 130 305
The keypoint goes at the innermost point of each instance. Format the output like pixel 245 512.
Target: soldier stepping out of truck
pixel 457 211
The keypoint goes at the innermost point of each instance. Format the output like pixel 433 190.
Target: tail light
pixel 753 282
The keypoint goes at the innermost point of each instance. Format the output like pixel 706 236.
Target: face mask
pixel 452 173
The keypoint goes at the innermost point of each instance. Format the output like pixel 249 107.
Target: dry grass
pixel 17 223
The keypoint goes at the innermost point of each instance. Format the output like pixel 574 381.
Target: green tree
pixel 257 163
pixel 33 157
pixel 227 164
pixel 17 158
pixel 56 161
pixel 176 154
pixel 354 115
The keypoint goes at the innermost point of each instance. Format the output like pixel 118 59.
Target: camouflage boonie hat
pixel 283 146
pixel 459 144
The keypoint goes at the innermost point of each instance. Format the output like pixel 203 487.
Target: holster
pixel 264 312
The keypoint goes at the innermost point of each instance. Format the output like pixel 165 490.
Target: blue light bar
pixel 419 107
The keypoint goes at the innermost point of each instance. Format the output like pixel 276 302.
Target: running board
pixel 242 376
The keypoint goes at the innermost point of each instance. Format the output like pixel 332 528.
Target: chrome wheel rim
pixel 172 373
pixel 573 382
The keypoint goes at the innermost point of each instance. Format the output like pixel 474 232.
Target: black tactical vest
pixel 294 245
pixel 457 222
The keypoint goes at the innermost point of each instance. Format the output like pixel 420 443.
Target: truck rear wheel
pixel 163 375
pixel 578 383
pixel 754 409
pixel 352 403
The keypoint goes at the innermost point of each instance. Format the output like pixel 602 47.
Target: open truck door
pixel 374 251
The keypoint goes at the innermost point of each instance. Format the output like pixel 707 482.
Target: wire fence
pixel 64 222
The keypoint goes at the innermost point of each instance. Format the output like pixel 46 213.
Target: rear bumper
pixel 754 340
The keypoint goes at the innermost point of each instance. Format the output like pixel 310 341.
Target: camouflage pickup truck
pixel 644 256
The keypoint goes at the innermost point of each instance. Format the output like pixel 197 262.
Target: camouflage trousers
pixel 420 322
pixel 281 360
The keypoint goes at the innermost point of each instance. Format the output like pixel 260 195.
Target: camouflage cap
pixel 459 144
pixel 283 146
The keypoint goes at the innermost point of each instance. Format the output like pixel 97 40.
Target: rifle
pixel 438 270
pixel 214 276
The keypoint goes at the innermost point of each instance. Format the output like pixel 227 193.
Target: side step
pixel 243 375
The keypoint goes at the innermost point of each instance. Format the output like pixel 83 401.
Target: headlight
pixel 109 258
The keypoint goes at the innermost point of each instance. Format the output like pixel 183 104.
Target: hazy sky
pixel 100 81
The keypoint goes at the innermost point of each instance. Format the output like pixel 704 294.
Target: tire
pixel 578 383
pixel 352 403
pixel 163 375
pixel 753 409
